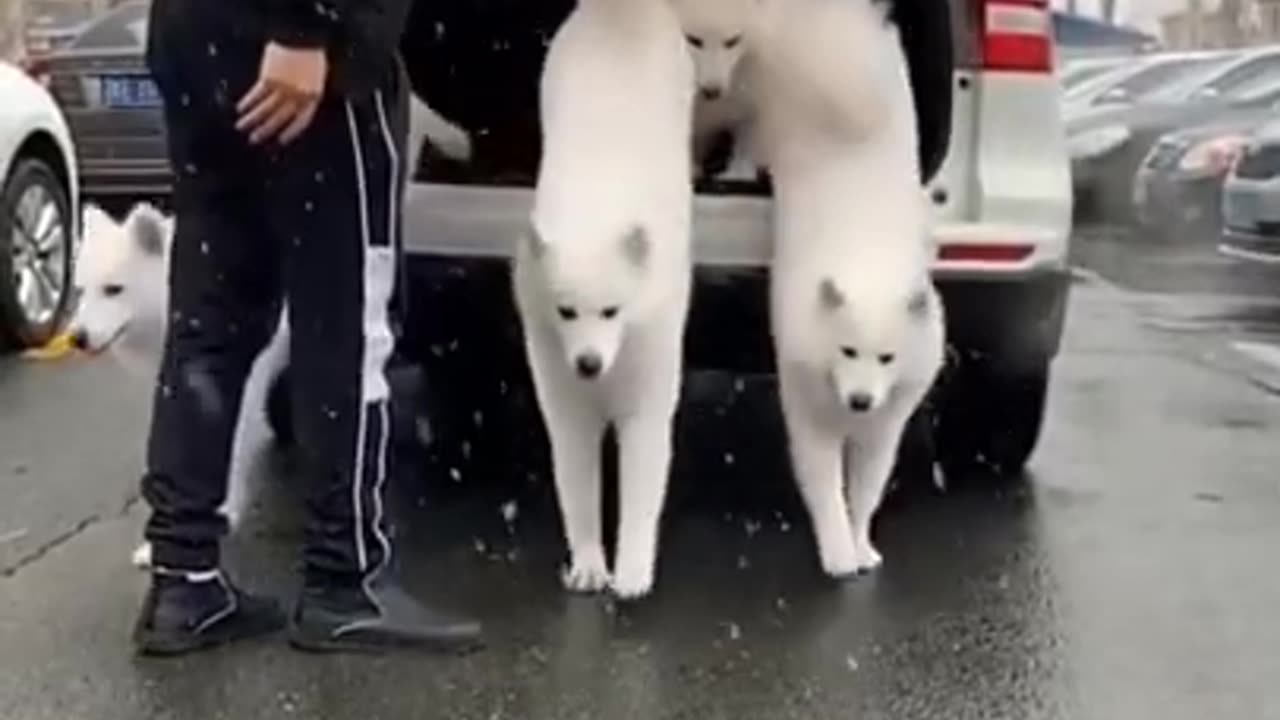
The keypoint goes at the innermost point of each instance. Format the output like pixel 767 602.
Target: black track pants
pixel 316 223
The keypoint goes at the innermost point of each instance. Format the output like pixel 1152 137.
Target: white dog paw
pixel 868 558
pixel 632 584
pixel 840 556
pixel 587 574
pixel 142 556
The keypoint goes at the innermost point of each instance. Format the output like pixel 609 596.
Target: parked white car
pixel 39 197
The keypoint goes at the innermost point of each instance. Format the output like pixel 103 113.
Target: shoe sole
pixel 327 644
pixel 150 644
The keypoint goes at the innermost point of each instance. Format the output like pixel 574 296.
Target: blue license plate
pixel 130 92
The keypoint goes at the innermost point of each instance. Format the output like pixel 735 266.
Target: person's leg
pixel 223 306
pixel 335 198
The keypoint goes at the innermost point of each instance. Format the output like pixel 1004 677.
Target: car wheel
pixel 36 255
pixel 989 422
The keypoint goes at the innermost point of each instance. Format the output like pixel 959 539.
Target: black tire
pixel 989 422
pixel 17 330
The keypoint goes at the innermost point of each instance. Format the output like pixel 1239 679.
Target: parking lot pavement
pixel 1131 576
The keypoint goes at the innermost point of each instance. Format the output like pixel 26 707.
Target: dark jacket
pixel 362 36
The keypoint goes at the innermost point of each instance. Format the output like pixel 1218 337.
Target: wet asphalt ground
pixel 1131 574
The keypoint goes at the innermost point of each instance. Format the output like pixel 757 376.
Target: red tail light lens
pixel 1017 35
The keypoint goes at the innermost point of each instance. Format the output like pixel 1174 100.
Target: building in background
pixel 1223 24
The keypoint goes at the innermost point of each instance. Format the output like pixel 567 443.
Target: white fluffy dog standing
pixel 122 277
pixel 857 324
pixel 716 33
pixel 602 279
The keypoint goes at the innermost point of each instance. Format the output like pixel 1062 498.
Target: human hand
pixel 282 104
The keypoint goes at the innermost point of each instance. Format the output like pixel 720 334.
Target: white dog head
pixel 867 336
pixel 592 291
pixel 122 281
pixel 715 32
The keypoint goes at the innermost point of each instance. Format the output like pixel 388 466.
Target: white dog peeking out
pixel 602 279
pixel 122 281
pixel 718 34
pixel 858 327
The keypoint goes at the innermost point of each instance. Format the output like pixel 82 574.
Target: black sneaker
pixel 379 617
pixel 184 613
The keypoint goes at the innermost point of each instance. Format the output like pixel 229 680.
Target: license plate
pixel 130 92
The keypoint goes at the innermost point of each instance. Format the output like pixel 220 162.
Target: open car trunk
pixel 477 63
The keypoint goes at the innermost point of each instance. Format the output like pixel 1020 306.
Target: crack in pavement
pixel 49 546
pixel 41 551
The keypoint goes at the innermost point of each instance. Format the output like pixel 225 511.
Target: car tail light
pixel 1016 35
pixel 984 252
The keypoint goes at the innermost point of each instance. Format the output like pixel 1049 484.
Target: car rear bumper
pixel 1251 207
pixel 1014 321
pixel 468 222
pixel 1252 247
pixel 118 177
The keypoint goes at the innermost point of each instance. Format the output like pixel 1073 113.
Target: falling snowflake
pixel 455 474
pixel 851 662
pixel 735 632
pixel 510 511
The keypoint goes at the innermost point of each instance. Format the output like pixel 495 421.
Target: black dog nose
pixel 80 340
pixel 589 365
pixel 859 402
pixel 711 93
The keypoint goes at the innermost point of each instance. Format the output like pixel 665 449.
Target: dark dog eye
pixel 886 358
pixel 732 42
pixel 567 313
pixel 849 352
pixel 694 40
pixel 610 312
pixel 112 290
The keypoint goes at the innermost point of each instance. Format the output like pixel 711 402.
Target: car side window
pixel 1248 72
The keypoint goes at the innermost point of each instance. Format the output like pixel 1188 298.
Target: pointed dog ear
pixel 636 245
pixel 918 304
pixel 830 296
pixel 150 229
pixel 537 245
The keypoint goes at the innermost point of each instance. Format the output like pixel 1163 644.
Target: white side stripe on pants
pixel 378 280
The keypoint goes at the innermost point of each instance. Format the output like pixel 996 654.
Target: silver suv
pixel 1002 200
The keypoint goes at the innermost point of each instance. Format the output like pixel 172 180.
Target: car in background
pixel 1074 72
pixel 113 108
pixel 1133 81
pixel 38 212
pixel 1251 200
pixel 1002 203
pixel 1108 144
pixel 116 114
pixel 1177 192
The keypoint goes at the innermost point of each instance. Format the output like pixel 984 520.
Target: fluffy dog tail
pixel 839 61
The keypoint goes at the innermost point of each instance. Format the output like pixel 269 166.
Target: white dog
pixel 602 280
pixel 717 35
pixel 122 278
pixel 857 324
